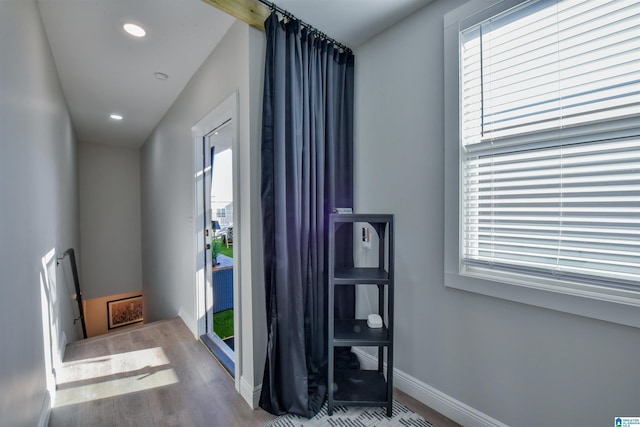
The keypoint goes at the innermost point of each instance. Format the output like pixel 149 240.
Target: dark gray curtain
pixel 307 170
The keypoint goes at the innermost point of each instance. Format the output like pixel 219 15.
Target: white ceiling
pixel 351 22
pixel 103 70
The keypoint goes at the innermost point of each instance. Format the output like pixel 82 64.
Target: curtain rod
pixel 311 28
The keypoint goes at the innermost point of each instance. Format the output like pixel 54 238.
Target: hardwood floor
pixel 435 418
pixel 158 375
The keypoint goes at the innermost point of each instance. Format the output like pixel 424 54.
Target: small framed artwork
pixel 125 311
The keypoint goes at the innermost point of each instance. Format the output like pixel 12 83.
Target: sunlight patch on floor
pixel 115 387
pixel 105 366
pixel 107 376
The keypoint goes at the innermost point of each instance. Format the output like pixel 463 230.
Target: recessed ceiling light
pixel 134 30
pixel 116 117
pixel 161 76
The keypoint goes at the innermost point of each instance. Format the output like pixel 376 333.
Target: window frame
pixel 613 305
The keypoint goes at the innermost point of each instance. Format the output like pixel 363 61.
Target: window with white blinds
pixel 550 141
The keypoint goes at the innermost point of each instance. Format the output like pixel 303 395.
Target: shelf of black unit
pixel 359 388
pixel 356 332
pixel 360 275
pixel 362 217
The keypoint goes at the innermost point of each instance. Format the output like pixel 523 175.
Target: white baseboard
pixel 249 393
pixel 190 322
pixel 432 397
pixel 45 412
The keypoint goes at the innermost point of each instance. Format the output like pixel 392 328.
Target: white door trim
pixel 228 109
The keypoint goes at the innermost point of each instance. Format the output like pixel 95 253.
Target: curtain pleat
pixel 307 170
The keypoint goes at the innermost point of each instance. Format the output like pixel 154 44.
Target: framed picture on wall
pixel 124 311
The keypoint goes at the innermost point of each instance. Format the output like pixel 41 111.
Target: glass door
pixel 219 265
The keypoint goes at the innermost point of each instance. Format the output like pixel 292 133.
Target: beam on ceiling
pixel 252 12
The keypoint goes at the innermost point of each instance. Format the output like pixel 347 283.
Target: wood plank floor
pixel 158 375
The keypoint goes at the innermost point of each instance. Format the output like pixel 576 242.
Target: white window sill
pixel 620 307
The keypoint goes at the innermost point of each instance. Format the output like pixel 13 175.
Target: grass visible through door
pixel 223 324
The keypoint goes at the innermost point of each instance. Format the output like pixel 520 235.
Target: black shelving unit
pixel 362 387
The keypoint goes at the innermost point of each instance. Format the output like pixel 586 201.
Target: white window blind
pixel 550 135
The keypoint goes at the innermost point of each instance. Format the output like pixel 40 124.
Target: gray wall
pixel 109 185
pixel 38 215
pixel 167 182
pixel 522 365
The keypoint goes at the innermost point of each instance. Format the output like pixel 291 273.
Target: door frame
pixel 227 110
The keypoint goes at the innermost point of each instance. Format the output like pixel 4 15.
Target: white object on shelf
pixel 343 210
pixel 374 321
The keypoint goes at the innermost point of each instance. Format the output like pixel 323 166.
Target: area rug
pixel 355 416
